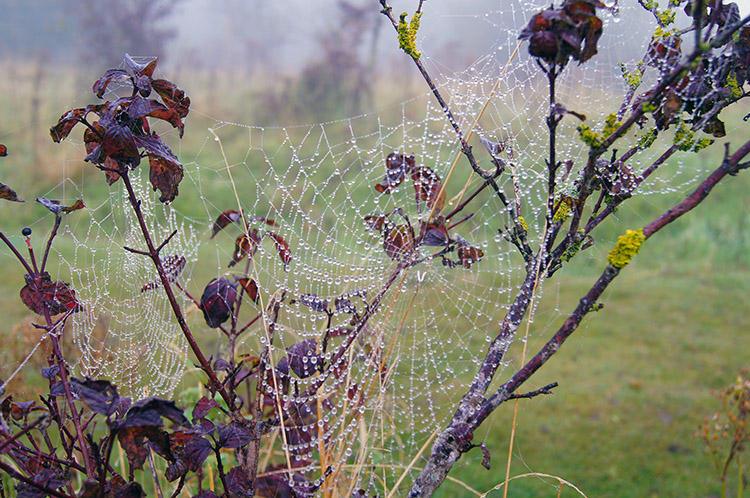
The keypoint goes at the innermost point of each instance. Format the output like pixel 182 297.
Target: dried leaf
pixel 398 241
pixel 56 207
pixel 251 288
pixel 165 176
pixel 218 300
pixel 8 193
pixel 485 456
pixel 314 302
pixel 173 97
pixel 225 219
pixel 245 244
pixel 467 253
pixel 66 123
pixel 41 294
pixel 376 222
pixel 427 186
pixel 436 233
pixel 282 247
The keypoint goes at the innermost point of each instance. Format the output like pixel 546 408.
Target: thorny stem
pixel 215 383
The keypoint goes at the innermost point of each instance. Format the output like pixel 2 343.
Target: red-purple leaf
pixel 218 300
pixel 436 233
pixel 165 176
pixel 3 150
pixel 225 219
pixel 304 359
pixel 112 75
pixel 8 193
pixel 99 395
pixel 314 302
pixel 282 247
pixel 40 294
pixel 119 144
pixel 173 97
pixel 234 435
pixel 141 69
pixel 66 123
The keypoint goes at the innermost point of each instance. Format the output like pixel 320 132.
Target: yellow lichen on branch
pixel 407 34
pixel 626 247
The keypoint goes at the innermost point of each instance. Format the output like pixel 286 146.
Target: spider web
pixel 412 360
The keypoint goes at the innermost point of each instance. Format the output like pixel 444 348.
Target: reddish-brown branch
pixel 154 255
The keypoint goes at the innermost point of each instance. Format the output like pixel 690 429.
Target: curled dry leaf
pixel 56 207
pixel 397 165
pixel 251 288
pixel 218 300
pixel 398 241
pixel 225 219
pixel 427 186
pixel 8 193
pixel 40 294
pixel 282 247
pixel 467 253
pixel 245 245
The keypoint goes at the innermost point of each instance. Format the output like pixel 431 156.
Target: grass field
pixel 635 380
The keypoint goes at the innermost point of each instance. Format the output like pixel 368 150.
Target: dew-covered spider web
pixel 401 377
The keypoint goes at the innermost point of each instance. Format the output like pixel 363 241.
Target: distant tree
pixel 137 27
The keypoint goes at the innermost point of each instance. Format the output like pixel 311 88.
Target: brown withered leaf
pixel 251 287
pixel 218 300
pixel 397 165
pixel 282 247
pixel 40 294
pixel 9 194
pixel 66 123
pixel 267 221
pixel 398 241
pixel 165 176
pixel 56 207
pixel 427 187
pixel 245 245
pixel 173 97
pixel 467 253
pixel 224 220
